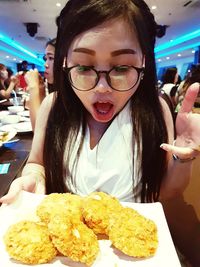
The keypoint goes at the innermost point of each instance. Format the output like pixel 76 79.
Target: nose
pixel 46 64
pixel 102 85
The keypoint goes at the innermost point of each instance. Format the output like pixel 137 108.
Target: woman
pixel 106 128
pixel 6 92
pixel 36 85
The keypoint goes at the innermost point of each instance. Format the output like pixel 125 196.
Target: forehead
pixel 112 35
pixel 50 49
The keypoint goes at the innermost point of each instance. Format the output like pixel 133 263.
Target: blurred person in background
pixel 22 72
pixel 8 80
pixel 36 85
pixel 6 90
pixel 194 76
pixel 49 63
pixel 170 79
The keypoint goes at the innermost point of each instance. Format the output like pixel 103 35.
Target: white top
pixel 167 88
pixel 108 166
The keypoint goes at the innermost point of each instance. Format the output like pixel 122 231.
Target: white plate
pixel 11 134
pixel 24 208
pixel 21 127
pixel 24 113
pixel 3 113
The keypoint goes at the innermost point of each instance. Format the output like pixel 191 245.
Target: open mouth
pixel 103 111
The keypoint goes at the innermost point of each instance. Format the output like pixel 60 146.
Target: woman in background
pixel 170 79
pixel 6 92
pixel 36 85
pixel 192 78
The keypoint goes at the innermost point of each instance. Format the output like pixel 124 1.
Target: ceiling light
pixel 14 59
pixel 7 56
pixel 58 4
pixel 167 57
pixel 178 50
pixel 19 47
pixel 193 51
pixel 179 40
pixel 153 7
pixel 14 53
pixel 179 55
pixel 159 60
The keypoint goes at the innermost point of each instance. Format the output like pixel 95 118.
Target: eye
pixel 83 68
pixel 121 68
pixel 51 58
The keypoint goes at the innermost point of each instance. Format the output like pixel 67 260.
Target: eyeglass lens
pixel 120 78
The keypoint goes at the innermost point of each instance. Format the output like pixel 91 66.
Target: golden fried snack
pixel 29 242
pixel 97 208
pixel 133 234
pixel 73 238
pixel 56 203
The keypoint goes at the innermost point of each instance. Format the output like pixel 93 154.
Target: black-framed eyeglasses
pixel 120 78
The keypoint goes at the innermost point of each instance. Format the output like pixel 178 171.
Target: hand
pixel 14 79
pixel 32 78
pixel 27 183
pixel 187 127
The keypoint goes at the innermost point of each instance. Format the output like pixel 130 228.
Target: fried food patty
pixel 29 242
pixel 74 239
pixel 97 208
pixel 56 203
pixel 133 234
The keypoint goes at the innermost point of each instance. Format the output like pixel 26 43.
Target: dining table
pixel 14 158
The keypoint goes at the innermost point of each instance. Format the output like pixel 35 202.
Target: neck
pixel 97 129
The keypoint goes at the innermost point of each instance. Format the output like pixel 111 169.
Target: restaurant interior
pixel 25 28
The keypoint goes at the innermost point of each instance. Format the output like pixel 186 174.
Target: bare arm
pixel 36 155
pixel 188 138
pixel 6 93
pixel 33 174
pixel 36 89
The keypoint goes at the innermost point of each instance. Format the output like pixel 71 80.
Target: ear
pixel 143 61
pixel 65 62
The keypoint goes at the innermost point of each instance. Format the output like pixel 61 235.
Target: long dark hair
pixel 67 114
pixel 169 75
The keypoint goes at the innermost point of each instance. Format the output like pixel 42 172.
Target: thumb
pixel 13 192
pixel 181 152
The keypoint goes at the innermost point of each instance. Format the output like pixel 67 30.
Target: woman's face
pixel 3 74
pixel 49 57
pixel 105 46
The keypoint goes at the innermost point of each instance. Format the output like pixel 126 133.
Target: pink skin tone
pixel 103 47
pixel 49 54
pixel 3 74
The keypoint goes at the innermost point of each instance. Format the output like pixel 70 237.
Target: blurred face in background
pixel 3 73
pixel 49 61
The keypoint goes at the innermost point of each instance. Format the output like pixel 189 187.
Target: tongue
pixel 103 107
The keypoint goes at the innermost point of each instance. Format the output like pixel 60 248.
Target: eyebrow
pixel 49 54
pixel 123 51
pixel 114 53
pixel 85 50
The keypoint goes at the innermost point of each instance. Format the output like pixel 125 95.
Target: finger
pixel 13 192
pixel 189 99
pixel 181 152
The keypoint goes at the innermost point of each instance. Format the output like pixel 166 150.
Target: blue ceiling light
pixel 35 61
pixel 17 46
pixel 179 40
pixel 178 50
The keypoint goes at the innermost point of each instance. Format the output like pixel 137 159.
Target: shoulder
pixel 44 109
pixel 48 101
